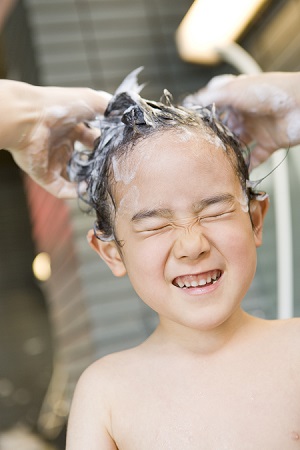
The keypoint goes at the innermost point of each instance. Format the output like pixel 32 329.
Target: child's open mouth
pixel 201 280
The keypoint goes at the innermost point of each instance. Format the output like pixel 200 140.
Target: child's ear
pixel 109 252
pixel 258 211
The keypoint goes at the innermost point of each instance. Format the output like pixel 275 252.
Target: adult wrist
pixel 18 114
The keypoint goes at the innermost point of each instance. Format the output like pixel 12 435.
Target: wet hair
pixel 129 119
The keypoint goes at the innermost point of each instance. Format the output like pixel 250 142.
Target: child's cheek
pixel 242 245
pixel 151 255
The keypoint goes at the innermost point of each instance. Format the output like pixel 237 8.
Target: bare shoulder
pixel 110 368
pixel 101 380
pixel 287 328
pixel 287 346
pixel 284 337
pixel 278 326
pixel 280 337
pixel 90 417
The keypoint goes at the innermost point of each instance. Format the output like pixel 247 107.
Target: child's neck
pixel 205 342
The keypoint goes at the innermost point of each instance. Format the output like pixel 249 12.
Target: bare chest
pixel 234 410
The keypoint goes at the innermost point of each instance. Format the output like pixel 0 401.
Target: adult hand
pixel 39 126
pixel 263 110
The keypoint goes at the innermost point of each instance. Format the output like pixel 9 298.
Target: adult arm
pixel 263 110
pixel 39 126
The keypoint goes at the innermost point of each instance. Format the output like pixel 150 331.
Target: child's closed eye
pixel 150 227
pixel 156 229
pixel 217 216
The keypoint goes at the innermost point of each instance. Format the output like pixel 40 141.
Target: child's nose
pixel 191 243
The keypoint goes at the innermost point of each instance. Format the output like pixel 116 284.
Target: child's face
pixel 183 220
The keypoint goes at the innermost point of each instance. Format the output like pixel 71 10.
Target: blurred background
pixel 72 311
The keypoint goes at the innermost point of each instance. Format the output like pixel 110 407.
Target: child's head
pixel 128 120
pixel 174 210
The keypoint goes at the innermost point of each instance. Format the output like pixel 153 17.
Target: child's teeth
pixel 196 282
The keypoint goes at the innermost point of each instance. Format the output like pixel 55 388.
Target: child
pixel 176 212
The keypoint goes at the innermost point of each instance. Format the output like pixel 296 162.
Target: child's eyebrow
pixel 225 199
pixel 198 206
pixel 146 213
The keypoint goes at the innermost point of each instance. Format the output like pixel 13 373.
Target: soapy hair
pixel 129 119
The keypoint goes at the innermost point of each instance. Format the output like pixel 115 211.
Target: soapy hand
pixel 39 126
pixel 263 110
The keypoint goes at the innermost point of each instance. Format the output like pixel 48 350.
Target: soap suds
pixel 243 201
pixel 125 168
pixel 293 127
pixel 187 134
pixel 57 112
pixel 273 97
pixel 129 202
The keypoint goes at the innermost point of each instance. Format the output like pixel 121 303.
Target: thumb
pixel 79 104
pixel 88 103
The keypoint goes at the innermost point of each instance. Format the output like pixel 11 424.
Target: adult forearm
pixel 18 112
